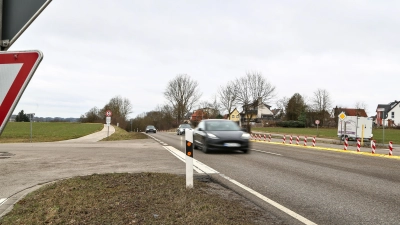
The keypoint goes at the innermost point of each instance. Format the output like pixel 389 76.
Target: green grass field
pixel 390 134
pixel 46 132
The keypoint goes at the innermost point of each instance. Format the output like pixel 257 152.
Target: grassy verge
pixel 390 134
pixel 144 198
pixel 46 132
pixel 121 134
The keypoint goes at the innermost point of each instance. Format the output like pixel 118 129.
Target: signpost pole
pixel 382 110
pixel 31 115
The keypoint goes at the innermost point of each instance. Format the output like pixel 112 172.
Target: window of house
pixel 233 116
pixel 237 116
pixel 392 115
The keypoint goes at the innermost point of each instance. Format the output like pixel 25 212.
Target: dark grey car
pixel 151 128
pixel 219 134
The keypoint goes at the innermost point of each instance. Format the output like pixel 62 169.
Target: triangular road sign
pixel 16 70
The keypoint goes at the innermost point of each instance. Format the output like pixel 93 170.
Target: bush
pixel 290 123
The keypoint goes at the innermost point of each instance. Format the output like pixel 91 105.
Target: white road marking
pixel 2 200
pixel 197 165
pixel 266 152
pixel 202 168
pixel 273 203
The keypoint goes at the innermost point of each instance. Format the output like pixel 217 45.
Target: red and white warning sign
pixel 16 70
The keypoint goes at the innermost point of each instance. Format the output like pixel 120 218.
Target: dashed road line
pixel 271 153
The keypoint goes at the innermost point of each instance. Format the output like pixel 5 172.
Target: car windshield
pixel 150 127
pixel 185 126
pixel 222 126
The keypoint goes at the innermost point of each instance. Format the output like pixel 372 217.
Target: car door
pixel 199 134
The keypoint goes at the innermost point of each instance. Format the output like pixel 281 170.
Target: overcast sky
pixel 95 50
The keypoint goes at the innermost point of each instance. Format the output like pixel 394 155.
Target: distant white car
pixel 181 129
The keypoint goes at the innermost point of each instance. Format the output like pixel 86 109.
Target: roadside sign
pixel 342 116
pixel 16 70
pixel 17 15
pixel 108 113
pixel 317 122
pixel 108 120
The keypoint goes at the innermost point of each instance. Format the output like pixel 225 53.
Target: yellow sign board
pixel 342 116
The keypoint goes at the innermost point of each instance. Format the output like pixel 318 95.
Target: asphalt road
pixel 326 186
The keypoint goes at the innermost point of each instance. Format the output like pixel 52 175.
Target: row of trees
pixel 297 108
pixel 120 108
pixel 182 96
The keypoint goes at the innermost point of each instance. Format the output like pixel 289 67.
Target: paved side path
pixel 25 167
pixel 95 137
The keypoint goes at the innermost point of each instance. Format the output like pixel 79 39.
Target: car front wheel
pixel 204 148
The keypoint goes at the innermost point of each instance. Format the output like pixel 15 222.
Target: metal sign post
pixel 342 116
pixel 108 121
pixel 383 122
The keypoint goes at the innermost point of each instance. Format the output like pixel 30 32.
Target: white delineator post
pixel 189 158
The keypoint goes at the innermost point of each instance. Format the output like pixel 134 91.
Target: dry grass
pixel 143 198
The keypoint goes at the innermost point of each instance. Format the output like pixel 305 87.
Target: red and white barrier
pixel 313 142
pixel 373 146
pixel 358 145
pixel 297 140
pixel 269 138
pixel 305 140
pixel 265 137
pixel 259 137
pixel 346 143
pixel 390 148
pixel 291 139
pixel 284 139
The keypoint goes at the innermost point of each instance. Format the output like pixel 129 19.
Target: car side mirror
pixel 200 129
pixel 244 129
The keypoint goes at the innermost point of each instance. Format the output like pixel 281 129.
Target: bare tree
pixel 361 105
pixel 253 90
pixel 120 108
pixel 321 103
pixel 228 97
pixel 281 104
pixel 182 92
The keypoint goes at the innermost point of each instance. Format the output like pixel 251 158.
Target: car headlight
pixel 246 136
pixel 212 136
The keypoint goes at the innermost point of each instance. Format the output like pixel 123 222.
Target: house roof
pixel 353 112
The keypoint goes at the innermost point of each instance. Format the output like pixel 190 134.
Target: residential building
pixel 235 116
pixel 388 114
pixel 257 112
